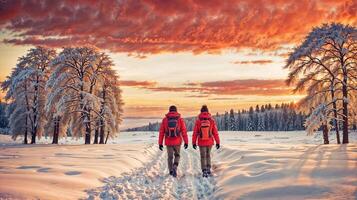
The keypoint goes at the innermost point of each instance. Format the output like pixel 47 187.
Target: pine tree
pixel 262 108
pixel 282 119
pixel 261 124
pixel 257 110
pixel 226 121
pixel 232 121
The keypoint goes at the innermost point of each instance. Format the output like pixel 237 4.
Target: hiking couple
pixel 173 130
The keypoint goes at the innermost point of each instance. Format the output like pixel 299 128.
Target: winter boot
pixel 208 172
pixel 171 172
pixel 174 173
pixel 204 173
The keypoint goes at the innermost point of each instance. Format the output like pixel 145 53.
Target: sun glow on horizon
pixel 153 83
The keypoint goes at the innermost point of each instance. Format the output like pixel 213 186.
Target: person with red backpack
pixel 205 132
pixel 173 129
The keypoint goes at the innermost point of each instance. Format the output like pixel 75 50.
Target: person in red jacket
pixel 173 129
pixel 205 132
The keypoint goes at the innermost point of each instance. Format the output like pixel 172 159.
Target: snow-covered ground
pixel 250 165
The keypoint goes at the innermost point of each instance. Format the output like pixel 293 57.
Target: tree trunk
pixel 106 139
pixel 102 126
pixel 345 112
pixel 35 111
pixel 27 115
pixel 25 136
pixel 87 136
pixel 335 113
pixel 102 129
pixel 96 133
pixel 55 130
pixel 88 130
pixel 33 138
pixel 336 125
pixel 325 134
pixel 345 98
pixel 34 126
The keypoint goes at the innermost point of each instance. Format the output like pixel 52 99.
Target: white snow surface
pixel 250 165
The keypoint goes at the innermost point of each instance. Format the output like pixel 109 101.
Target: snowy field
pixel 250 165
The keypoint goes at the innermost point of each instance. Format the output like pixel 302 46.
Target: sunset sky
pixel 226 54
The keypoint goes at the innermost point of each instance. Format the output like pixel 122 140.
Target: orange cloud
pixel 223 99
pixel 247 87
pixel 175 89
pixel 198 96
pixel 232 87
pixel 259 62
pixel 154 26
pixel 132 83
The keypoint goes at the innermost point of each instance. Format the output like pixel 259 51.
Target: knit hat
pixel 173 108
pixel 204 108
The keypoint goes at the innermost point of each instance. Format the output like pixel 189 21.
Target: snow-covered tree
pixel 72 85
pixel 3 118
pixel 270 120
pixel 84 92
pixel 26 89
pixel 225 121
pixel 319 117
pixel 261 124
pixel 19 108
pixel 327 59
pixel 57 123
pixel 111 111
pixel 232 121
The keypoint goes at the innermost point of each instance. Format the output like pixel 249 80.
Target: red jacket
pixel 196 131
pixel 173 141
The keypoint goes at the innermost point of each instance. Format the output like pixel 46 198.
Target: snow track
pixel 153 181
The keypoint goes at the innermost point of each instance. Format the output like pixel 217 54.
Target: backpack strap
pixel 210 127
pixel 178 127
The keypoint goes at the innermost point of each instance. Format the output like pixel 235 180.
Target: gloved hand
pixel 161 147
pixel 218 146
pixel 194 146
pixel 185 146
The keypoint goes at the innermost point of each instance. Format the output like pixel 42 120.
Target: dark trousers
pixel 205 152
pixel 173 156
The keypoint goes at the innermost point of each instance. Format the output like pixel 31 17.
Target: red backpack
pixel 172 127
pixel 205 129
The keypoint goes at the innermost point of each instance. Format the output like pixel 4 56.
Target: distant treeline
pixel 283 117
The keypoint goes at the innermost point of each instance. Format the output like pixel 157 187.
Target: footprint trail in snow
pixel 153 181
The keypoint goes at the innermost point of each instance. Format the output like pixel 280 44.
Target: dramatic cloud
pixel 223 99
pixel 198 96
pixel 232 87
pixel 258 62
pixel 175 89
pixel 154 26
pixel 132 83
pixel 247 87
pixel 192 84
